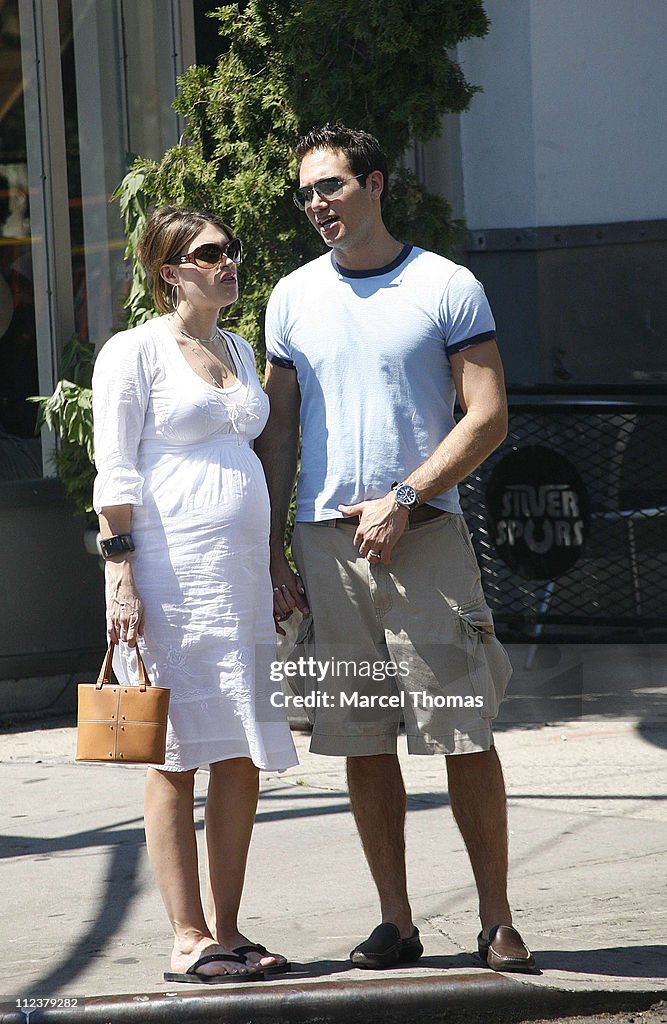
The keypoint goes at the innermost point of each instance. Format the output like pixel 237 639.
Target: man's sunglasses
pixel 327 188
pixel 211 254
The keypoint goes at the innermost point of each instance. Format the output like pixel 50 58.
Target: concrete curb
pixel 459 999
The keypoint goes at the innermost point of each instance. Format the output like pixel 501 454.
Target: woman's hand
pixel 288 593
pixel 125 612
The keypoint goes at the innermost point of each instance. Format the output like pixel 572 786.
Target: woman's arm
pixel 121 391
pixel 125 612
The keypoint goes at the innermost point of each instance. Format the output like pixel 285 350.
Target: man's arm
pixel 480 386
pixel 277 447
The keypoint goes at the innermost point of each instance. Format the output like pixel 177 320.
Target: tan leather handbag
pixel 126 724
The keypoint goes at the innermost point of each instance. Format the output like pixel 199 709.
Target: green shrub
pixel 69 413
pixel 383 65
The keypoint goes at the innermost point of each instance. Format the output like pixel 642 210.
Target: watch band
pixel 116 545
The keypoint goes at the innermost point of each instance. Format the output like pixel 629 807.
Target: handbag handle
pixel 105 671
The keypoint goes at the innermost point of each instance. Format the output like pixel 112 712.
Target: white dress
pixel 179 451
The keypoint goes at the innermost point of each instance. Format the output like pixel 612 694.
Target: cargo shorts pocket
pixel 489 665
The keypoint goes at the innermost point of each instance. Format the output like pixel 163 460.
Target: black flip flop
pixel 257 947
pixel 192 976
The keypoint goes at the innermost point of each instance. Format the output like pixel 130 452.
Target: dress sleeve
pixel 121 389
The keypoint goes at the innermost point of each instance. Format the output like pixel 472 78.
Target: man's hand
pixel 288 592
pixel 381 524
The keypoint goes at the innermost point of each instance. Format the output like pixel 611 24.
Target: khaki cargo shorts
pixel 411 641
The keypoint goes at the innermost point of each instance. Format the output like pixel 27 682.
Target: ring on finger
pixel 374 554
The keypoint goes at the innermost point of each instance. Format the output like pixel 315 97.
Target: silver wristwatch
pixel 405 496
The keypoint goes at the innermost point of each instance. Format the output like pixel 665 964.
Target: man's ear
pixel 375 183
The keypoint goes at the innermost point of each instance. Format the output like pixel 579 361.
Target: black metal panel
pixel 617 588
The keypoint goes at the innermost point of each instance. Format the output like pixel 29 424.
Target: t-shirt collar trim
pixel 376 271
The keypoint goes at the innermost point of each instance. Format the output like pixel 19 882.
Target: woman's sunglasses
pixel 211 254
pixel 327 188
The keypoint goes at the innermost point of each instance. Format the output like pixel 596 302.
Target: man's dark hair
pixel 363 151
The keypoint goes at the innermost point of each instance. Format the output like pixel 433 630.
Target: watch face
pixel 406 495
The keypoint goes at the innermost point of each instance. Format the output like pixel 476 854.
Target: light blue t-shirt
pixel 370 349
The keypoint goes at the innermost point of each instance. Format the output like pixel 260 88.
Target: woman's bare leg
pixel 231 805
pixel 172 850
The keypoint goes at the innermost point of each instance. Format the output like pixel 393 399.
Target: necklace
pixel 197 344
pixel 191 337
pixel 214 379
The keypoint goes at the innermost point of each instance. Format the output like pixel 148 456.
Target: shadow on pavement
pixel 613 961
pixel 121 879
pixel 653 733
pixel 327 968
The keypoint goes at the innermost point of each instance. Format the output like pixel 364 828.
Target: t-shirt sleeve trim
pixel 476 339
pixel 287 364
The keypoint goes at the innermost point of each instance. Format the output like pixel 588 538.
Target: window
pixel 20 450
pixel 82 85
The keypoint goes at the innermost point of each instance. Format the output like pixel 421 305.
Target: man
pixel 366 347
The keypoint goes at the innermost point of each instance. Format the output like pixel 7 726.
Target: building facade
pixel 558 169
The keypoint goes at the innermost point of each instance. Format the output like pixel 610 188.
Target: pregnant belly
pixel 215 483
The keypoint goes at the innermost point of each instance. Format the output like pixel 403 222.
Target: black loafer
pixel 411 949
pixel 384 947
pixel 505 950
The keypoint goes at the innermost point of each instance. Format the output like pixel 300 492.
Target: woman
pixel 177 403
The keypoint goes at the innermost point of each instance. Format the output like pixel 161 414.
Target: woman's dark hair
pixel 167 234
pixel 363 151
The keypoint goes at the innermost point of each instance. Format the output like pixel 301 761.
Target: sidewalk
pixel 587 801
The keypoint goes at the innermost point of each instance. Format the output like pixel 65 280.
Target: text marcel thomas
pixel 345 697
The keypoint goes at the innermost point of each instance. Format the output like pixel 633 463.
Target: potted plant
pixel 69 413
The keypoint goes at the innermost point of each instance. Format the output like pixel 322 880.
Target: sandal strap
pixel 253 947
pixel 216 958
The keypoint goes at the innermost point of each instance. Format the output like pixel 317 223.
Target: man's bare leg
pixel 477 798
pixel 378 800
